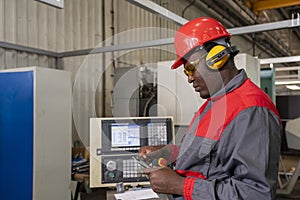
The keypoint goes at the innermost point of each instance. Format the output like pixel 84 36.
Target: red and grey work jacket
pixel 231 150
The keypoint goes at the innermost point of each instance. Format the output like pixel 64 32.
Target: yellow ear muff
pixel 217 57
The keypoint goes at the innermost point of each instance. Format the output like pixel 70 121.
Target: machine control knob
pixel 111 175
pixel 111 165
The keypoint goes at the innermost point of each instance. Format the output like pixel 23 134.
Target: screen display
pixel 125 135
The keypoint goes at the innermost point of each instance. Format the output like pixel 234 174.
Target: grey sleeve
pixel 246 160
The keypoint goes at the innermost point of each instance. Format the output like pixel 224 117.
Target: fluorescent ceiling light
pixel 287 82
pixel 293 87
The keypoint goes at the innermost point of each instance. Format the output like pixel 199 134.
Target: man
pixel 232 146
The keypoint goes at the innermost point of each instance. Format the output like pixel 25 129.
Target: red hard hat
pixel 196 33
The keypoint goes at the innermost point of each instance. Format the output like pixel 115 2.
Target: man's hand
pixel 165 180
pixel 150 151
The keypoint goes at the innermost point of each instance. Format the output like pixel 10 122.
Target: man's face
pixel 205 81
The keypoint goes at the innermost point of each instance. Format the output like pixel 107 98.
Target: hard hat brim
pixel 177 63
pixel 179 60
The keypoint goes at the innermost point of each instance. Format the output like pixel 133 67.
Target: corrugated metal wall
pixel 19 22
pixel 34 24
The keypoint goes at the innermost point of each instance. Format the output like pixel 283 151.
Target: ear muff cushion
pixel 217 57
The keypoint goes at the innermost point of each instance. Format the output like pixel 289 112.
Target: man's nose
pixel 190 78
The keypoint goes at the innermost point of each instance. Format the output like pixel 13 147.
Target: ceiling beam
pixel 287 68
pixel 288 59
pixel 159 10
pixel 286 76
pixel 168 41
pixel 263 27
pixel 272 4
pixel 287 82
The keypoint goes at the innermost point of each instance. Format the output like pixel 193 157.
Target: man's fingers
pixel 151 169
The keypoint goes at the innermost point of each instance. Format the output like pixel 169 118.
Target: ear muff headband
pixel 218 56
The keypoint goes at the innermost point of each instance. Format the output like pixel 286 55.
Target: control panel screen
pixel 129 134
pixel 125 135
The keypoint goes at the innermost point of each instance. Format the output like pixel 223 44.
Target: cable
pixel 183 11
pixel 147 104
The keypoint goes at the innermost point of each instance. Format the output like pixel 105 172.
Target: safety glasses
pixel 191 67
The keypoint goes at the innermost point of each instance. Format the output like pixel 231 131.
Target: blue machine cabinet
pixel 35 134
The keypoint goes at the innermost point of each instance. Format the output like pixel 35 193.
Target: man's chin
pixel 204 96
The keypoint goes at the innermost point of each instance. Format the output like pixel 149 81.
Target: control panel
pixel 121 168
pixel 115 142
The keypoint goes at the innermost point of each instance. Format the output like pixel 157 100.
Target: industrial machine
pixel 135 91
pixel 35 132
pixel 114 145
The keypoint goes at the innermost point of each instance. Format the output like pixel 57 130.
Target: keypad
pixel 157 134
pixel 131 169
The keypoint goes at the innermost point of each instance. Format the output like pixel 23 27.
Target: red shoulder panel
pixel 226 108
